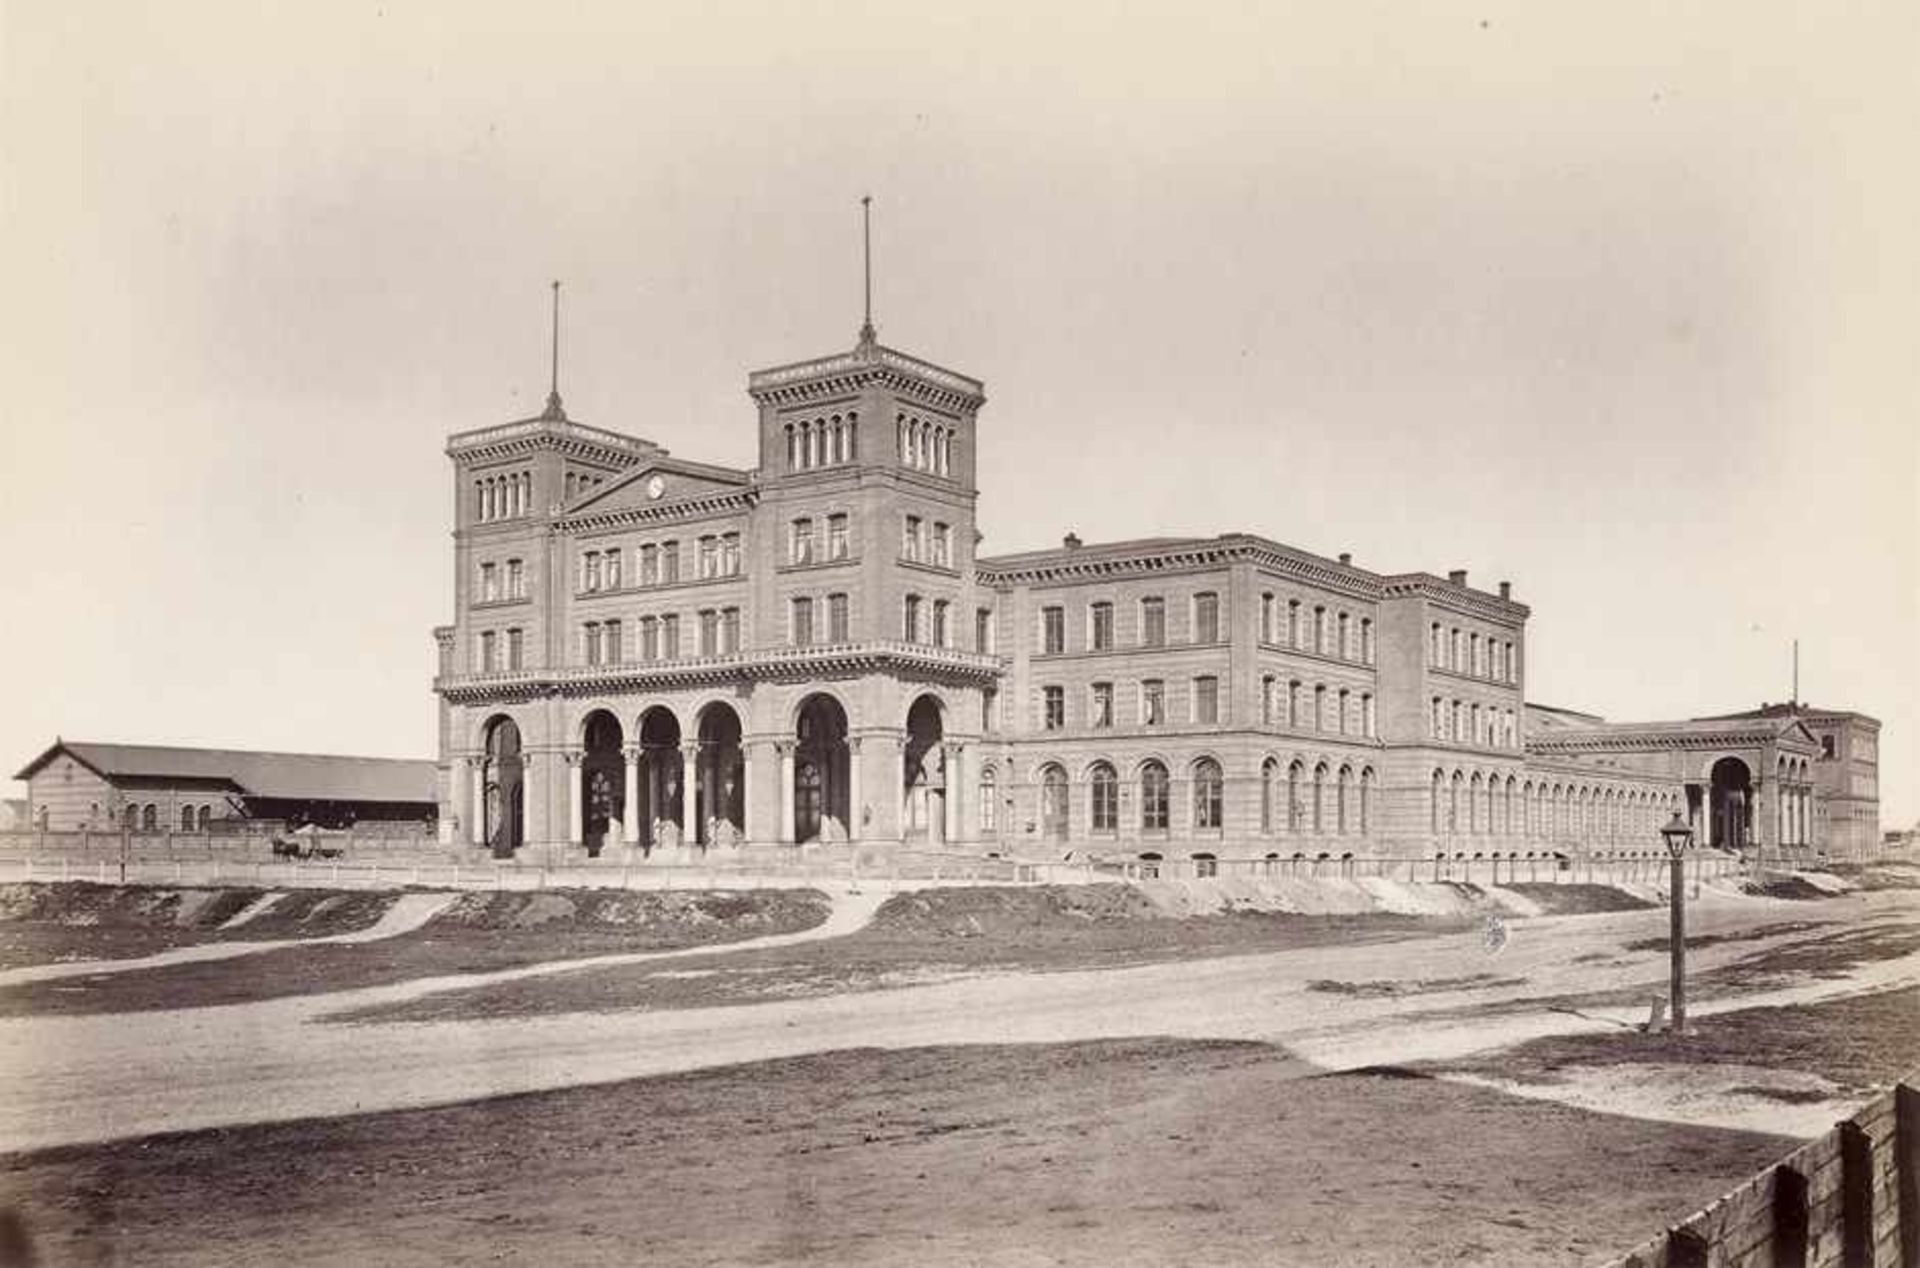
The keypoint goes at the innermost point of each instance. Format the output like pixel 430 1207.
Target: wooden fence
pixel 1850 1199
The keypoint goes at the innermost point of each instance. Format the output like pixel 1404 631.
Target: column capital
pixel 690 748
pixel 573 756
pixel 786 748
pixel 631 752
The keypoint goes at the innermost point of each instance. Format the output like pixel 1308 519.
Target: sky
pixel 1615 302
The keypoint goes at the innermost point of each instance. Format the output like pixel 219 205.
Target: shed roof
pixel 287 776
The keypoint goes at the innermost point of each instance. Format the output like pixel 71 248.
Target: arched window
pixel 1438 794
pixel 1104 788
pixel 1295 807
pixel 1453 803
pixel 989 801
pixel 1340 799
pixel 186 818
pixel 1366 801
pixel 1153 797
pixel 1473 803
pixel 1319 798
pixel 1268 769
pixel 150 818
pixel 206 817
pixel 1208 810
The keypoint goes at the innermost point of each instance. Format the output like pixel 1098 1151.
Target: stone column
pixel 477 821
pixel 785 749
pixel 854 790
pixel 576 798
pixel 630 810
pixel 950 765
pixel 690 821
pixel 746 790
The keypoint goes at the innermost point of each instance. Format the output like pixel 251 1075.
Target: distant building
pixel 672 653
pixel 152 788
pixel 15 814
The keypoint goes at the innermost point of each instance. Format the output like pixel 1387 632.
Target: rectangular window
pixel 1053 629
pixel 730 554
pixel 1055 703
pixel 593 642
pixel 487 665
pixel 515 656
pixel 802 621
pixel 614 652
pixel 669 563
pixel 1153 622
pixel 836 537
pixel 910 538
pixel 670 637
pixel 1102 705
pixel 1266 618
pixel 1293 622
pixel 1206 699
pixel 1319 708
pixel 590 571
pixel 989 710
pixel 1153 702
pixel 1341 724
pixel 1153 800
pixel 1366 640
pixel 1369 724
pixel 709 556
pixel 939 623
pixel 730 629
pixel 983 630
pixel 1100 627
pixel 836 618
pixel 800 543
pixel 611 562
pixel 649 565
pixel 910 618
pixel 1266 700
pixel 649 638
pixel 516 579
pixel 489 582
pixel 942 545
pixel 1344 649
pixel 709 632
pixel 1320 630
pixel 1206 618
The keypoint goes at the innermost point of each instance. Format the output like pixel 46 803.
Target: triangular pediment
pixel 656 482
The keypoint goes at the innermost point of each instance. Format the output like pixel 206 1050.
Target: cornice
pixel 764 665
pixel 1185 557
pixel 870 365
pixel 732 502
pixel 1667 740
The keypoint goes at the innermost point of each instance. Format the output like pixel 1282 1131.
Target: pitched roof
pixel 290 776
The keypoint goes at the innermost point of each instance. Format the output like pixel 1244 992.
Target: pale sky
pixel 1618 302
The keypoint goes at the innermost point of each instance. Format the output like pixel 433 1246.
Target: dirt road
pixel 79 1079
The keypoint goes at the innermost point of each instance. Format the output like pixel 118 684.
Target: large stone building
pixel 675 655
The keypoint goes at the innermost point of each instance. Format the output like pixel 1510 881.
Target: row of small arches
pixel 1487 804
pixel 823 442
pixel 925 446
pixel 503 497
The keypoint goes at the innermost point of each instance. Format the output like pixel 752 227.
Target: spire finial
pixel 554 408
pixel 866 243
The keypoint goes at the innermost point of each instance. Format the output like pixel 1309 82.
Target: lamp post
pixel 1678 835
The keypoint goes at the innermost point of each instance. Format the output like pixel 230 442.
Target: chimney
pixel 1346 557
pixel 1506 589
pixel 1458 576
pixel 1071 541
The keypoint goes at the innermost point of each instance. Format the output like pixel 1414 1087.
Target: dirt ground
pixel 1144 1151
pixel 1863 1042
pixel 918 938
pixel 79 920
pixel 480 932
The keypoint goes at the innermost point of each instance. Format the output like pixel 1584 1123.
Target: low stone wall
pixel 1850 1199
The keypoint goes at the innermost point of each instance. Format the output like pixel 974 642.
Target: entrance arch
pixel 603 777
pixel 502 776
pixel 721 786
pixel 660 777
pixel 924 772
pixel 1731 819
pixel 820 771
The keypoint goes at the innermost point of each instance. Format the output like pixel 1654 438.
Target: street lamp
pixel 1679 835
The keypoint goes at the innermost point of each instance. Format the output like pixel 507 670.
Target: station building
pixel 667 656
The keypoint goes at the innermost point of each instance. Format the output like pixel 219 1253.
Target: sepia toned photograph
pixel 839 634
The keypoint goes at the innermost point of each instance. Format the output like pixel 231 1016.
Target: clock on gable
pixel 656 487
